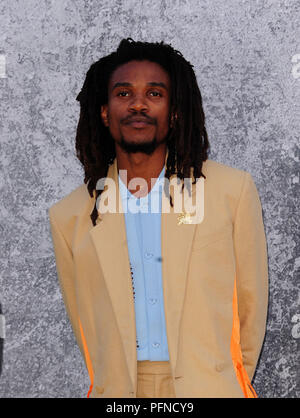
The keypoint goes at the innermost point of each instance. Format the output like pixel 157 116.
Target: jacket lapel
pixel 176 239
pixel 109 238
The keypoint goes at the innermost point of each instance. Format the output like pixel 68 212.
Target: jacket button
pixel 99 390
pixel 220 367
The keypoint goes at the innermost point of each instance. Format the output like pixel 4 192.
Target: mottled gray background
pixel 247 60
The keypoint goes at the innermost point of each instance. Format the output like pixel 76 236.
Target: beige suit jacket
pixel 215 285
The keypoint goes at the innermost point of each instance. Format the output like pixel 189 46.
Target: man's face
pixel 137 113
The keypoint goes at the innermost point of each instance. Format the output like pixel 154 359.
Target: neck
pixel 141 165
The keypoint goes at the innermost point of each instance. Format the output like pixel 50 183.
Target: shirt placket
pixel 151 283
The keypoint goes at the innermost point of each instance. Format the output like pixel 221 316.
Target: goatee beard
pixel 146 148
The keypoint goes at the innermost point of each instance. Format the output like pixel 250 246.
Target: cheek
pixel 164 122
pixel 113 118
pixel 113 128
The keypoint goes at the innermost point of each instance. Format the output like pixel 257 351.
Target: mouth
pixel 138 123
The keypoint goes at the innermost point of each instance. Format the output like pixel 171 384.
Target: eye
pixel 123 93
pixel 155 93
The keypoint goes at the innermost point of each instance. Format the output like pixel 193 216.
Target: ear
pixel 104 115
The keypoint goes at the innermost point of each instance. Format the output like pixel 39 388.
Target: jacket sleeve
pixel 251 273
pixel 65 273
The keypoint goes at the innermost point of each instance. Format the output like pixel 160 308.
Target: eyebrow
pixel 152 84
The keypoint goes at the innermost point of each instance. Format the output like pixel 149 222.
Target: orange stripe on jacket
pixel 236 352
pixel 87 359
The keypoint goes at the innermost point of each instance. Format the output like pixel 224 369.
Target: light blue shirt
pixel 143 229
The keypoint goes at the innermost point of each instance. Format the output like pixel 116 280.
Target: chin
pixel 146 147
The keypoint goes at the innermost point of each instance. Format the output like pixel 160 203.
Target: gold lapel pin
pixel 184 218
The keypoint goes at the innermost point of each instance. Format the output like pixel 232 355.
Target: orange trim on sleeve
pixel 236 352
pixel 87 359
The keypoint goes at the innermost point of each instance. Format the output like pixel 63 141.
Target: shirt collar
pixel 125 193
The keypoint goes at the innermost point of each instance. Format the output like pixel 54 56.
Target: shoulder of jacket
pixel 221 168
pixel 215 169
pixel 224 178
pixel 70 205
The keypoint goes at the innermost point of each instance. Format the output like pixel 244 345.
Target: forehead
pixel 139 72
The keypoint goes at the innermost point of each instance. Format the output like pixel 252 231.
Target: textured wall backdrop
pixel 246 56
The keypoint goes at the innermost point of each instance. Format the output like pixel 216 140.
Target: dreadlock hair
pixel 187 140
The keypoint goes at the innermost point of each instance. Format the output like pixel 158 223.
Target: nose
pixel 138 104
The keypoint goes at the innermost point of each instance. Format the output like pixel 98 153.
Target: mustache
pixel 138 118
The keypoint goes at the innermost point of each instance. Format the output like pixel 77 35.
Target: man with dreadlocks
pixel 162 304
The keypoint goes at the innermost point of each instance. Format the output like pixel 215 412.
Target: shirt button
pixel 153 301
pixel 155 345
pixel 148 256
